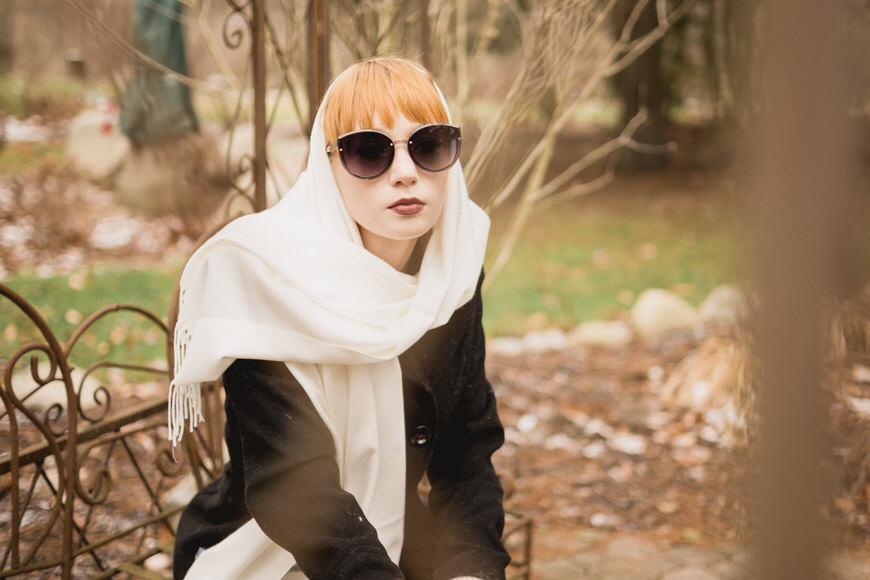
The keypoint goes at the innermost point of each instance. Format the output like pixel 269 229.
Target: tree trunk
pixel 641 85
pixel 7 46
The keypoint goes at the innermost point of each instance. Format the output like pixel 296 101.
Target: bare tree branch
pixel 397 15
pixel 606 68
pixel 558 29
pixel 580 189
pixel 544 66
pixel 638 46
pixel 631 22
pixel 289 75
pixel 522 212
pixel 212 46
pixel 110 34
pixel 624 140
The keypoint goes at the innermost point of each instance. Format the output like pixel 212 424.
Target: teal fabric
pixel 157 107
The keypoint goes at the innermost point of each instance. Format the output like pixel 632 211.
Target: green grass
pixel 66 301
pixel 591 258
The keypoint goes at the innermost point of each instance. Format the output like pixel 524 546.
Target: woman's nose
pixel 403 171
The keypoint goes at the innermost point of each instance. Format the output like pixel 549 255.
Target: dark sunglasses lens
pixel 435 148
pixel 366 154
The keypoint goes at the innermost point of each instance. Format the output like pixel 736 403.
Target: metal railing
pixel 86 466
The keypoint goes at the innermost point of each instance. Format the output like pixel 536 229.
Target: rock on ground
pixel 725 305
pixel 658 312
pixel 95 145
pixel 610 334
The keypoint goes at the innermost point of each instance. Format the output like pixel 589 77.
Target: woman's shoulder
pixel 467 315
pixel 438 345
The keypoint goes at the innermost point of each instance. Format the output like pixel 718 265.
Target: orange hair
pixel 384 86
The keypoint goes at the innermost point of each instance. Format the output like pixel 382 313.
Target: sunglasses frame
pixel 332 147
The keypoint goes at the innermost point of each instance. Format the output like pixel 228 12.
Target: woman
pixel 346 323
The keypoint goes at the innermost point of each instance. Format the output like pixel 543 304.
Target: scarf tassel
pixel 185 400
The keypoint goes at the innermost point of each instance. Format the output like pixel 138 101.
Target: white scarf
pixel 295 284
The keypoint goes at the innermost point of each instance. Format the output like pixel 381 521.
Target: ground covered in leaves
pixel 593 451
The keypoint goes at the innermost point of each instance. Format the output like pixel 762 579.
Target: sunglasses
pixel 368 154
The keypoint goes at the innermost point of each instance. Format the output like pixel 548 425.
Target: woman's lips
pixel 408 206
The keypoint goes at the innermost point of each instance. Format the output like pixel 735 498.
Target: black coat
pixel 282 469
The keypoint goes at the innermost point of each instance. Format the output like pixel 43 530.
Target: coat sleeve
pixel 466 497
pixel 292 480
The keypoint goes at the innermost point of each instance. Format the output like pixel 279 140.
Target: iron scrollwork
pixel 62 463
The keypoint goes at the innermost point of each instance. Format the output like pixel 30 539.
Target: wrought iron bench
pixel 88 487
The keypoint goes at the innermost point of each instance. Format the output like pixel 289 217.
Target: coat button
pixel 420 436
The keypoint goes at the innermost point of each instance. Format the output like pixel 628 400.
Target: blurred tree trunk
pixel 641 86
pixel 318 55
pixel 7 48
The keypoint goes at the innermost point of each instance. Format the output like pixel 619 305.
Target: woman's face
pixel 399 206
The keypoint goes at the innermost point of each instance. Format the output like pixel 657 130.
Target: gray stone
pixel 93 150
pixel 536 341
pixel 609 334
pixel 621 570
pixel 627 548
pixel 690 556
pixel 580 566
pixel 844 567
pixel 543 340
pixel 658 312
pixel 630 558
pixel 586 538
pixel 506 345
pixel 729 570
pixel 690 574
pixel 659 566
pixel 724 305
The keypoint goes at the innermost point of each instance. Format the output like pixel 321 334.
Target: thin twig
pixel 640 45
pixel 217 55
pixel 580 189
pixel 286 71
pixel 95 21
pixel 596 155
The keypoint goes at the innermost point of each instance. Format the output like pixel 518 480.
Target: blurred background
pixel 614 143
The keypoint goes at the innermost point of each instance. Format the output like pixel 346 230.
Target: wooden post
pixel 318 55
pixel 258 56
pixel 804 211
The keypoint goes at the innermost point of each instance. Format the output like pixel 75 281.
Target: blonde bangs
pixel 382 87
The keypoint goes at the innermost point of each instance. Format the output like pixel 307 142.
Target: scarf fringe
pixel 185 400
pixel 185 405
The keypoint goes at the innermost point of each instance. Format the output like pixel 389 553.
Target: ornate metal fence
pixel 86 467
